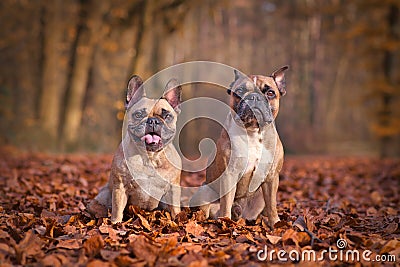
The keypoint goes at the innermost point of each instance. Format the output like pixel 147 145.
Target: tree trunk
pixel 86 41
pixel 145 58
pixel 54 77
pixel 316 94
pixel 386 114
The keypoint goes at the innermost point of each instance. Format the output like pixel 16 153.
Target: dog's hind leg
pixel 101 203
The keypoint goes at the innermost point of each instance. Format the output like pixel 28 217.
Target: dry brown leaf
pixel 391 211
pixel 195 259
pixel 51 260
pixel 240 247
pixel 303 239
pixel 273 239
pixel 371 211
pixel 31 245
pixel 298 238
pixel 391 228
pixel 289 236
pixel 376 198
pixel 194 229
pixel 144 222
pixel 93 245
pixel 389 246
pixel 105 229
pixel 192 247
pixel 4 234
pixel 69 244
pixel 109 255
pixel 247 238
pixel 6 251
pixel 124 260
pixel 201 263
pixel 98 263
pixel 182 217
pixel 144 250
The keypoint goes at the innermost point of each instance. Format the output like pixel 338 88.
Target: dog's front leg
pixel 119 200
pixel 227 191
pixel 227 203
pixel 269 189
pixel 176 201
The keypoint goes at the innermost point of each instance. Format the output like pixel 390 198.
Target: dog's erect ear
pixel 135 90
pixel 279 77
pixel 172 93
pixel 238 74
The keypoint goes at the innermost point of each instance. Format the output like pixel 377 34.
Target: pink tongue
pixel 148 138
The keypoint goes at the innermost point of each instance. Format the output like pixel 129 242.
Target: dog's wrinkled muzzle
pixel 254 107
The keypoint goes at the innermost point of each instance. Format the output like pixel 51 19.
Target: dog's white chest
pixel 254 153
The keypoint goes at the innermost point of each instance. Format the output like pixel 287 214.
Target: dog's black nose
pixel 152 121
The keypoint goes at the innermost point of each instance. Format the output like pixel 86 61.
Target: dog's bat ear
pixel 135 90
pixel 279 77
pixel 237 73
pixel 173 93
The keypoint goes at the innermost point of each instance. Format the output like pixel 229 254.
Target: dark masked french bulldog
pixel 146 167
pixel 248 186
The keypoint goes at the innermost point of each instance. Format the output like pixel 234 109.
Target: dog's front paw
pixel 272 222
pixel 97 210
pixel 116 220
pixel 236 212
pixel 116 217
pixel 175 211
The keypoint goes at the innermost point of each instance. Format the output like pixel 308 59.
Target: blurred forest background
pixel 64 67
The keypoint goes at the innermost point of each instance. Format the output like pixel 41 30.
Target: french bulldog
pixel 247 172
pixel 146 168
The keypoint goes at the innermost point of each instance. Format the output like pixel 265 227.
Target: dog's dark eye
pixel 239 92
pixel 167 116
pixel 137 115
pixel 265 88
pixel 270 93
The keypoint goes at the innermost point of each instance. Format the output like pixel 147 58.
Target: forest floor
pixel 44 222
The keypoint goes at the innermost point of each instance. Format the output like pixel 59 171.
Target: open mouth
pixel 152 140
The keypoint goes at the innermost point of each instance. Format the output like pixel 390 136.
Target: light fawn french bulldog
pixel 146 167
pixel 249 188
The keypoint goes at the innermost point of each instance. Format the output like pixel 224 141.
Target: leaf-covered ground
pixel 321 199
